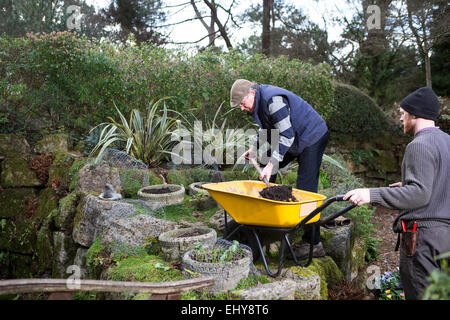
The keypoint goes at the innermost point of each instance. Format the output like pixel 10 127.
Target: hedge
pixel 61 81
pixel 354 113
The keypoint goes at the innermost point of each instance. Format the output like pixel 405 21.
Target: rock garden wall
pixel 51 218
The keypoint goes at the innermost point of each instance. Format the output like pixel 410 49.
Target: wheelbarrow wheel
pixel 243 235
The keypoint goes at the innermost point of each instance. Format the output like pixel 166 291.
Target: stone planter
pixel 201 197
pixel 175 243
pixel 174 197
pixel 195 188
pixel 226 274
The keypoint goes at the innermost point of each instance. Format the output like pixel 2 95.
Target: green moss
pixel 44 244
pixel 52 143
pixel 329 274
pixel 325 236
pixel 13 145
pixel 73 172
pixel 251 281
pixel 47 202
pixel 147 268
pixel 154 179
pixel 131 180
pixel 66 211
pixel 17 236
pixel 79 213
pixel 14 201
pixel 96 258
pixel 184 212
pixel 16 173
pixel 63 158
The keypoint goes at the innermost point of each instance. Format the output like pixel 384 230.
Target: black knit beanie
pixel 422 103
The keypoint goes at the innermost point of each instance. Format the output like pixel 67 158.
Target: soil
pixel 213 256
pixel 190 234
pixel 278 193
pixel 157 191
pixel 388 258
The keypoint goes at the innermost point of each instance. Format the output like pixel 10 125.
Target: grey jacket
pixel 425 193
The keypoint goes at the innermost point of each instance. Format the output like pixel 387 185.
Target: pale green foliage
pixel 146 138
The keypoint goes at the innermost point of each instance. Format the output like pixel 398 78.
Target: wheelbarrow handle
pixel 325 204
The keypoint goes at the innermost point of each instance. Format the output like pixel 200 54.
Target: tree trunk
pixel 222 30
pixel 265 37
pixel 428 70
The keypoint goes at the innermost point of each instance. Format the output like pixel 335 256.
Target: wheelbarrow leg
pixel 311 246
pixel 260 248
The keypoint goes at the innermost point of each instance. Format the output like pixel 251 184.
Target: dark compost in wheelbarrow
pixel 278 193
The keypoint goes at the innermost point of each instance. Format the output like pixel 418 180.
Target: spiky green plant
pixel 146 138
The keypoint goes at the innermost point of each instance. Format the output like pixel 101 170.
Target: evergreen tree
pixel 440 66
pixel 19 17
pixel 137 17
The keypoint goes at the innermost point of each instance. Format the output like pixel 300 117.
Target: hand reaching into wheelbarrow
pixel 251 156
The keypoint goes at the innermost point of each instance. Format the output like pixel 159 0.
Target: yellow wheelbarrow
pixel 243 203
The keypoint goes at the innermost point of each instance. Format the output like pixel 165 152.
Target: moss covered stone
pixel 13 146
pixel 18 236
pixel 44 244
pixel 16 173
pixel 132 180
pixel 386 161
pixel 66 212
pixel 14 201
pixel 64 253
pixel 329 273
pixel 18 266
pixel 47 202
pixel 148 268
pixel 73 172
pixel 52 143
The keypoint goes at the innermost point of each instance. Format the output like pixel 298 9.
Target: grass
pixel 186 210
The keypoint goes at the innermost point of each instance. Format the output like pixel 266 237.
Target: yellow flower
pixel 388 291
pixel 389 296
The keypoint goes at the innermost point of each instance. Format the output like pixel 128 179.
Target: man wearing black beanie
pixel 423 195
pixel 422 103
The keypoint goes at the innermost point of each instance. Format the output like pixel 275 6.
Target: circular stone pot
pixel 202 198
pixel 226 274
pixel 195 188
pixel 175 243
pixel 175 196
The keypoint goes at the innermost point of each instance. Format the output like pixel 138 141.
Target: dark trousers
pixel 309 161
pixel 415 269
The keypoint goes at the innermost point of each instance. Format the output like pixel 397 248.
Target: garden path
pixel 382 220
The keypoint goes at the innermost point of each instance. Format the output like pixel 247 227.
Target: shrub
pixel 67 82
pixel 354 113
pixel 145 138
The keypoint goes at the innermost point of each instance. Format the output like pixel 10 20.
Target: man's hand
pixel 266 172
pixel 249 154
pixel 358 197
pixel 395 185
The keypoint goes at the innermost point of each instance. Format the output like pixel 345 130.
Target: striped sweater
pixel 425 193
pixel 297 124
pixel 281 119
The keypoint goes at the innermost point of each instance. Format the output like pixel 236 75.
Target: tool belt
pixel 407 238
